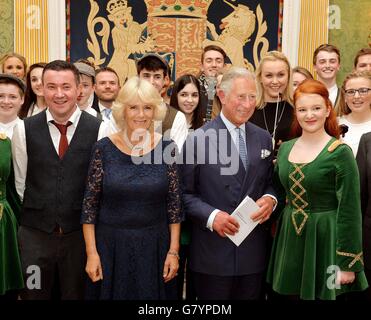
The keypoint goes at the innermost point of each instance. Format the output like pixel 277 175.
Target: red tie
pixel 63 142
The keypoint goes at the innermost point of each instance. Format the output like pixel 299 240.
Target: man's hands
pixel 225 224
pixel 266 205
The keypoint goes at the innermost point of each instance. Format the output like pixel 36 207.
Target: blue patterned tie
pixel 242 148
pixel 107 112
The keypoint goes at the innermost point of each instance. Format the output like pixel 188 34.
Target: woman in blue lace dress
pixel 131 210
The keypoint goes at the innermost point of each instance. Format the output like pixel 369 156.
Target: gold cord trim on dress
pixel 298 202
pixel 2 136
pixel 356 257
pixel 334 145
pixel 1 210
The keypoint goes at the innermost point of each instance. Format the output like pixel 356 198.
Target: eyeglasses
pixel 361 92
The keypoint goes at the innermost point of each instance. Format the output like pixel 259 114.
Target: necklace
pixel 139 147
pixel 276 121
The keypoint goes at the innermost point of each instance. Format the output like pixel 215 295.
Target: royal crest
pixel 176 29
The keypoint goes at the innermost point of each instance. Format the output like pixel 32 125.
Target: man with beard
pixel 107 87
pixel 326 62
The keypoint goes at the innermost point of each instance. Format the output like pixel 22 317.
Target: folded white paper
pixel 242 215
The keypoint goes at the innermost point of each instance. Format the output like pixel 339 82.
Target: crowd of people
pixel 128 191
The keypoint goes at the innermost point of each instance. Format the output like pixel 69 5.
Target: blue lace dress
pixel 131 204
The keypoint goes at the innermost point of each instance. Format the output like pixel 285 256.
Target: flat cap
pixel 85 69
pixel 13 79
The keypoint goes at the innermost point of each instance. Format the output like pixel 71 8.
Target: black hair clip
pixel 343 129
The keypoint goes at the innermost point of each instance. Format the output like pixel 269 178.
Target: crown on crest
pixel 190 8
pixel 113 6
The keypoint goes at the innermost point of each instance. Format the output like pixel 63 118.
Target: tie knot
pixel 62 127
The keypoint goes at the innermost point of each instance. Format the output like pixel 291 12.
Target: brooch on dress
pixel 2 136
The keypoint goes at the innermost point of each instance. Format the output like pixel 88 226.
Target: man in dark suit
pixel 224 161
pixel 51 153
pixel 364 166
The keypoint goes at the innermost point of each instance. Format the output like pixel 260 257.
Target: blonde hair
pixel 134 89
pixel 11 55
pixel 287 94
pixel 342 107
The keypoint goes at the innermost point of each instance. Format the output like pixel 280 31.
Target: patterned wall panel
pixel 313 30
pixel 350 30
pixel 31 29
pixel 117 32
pixel 7 29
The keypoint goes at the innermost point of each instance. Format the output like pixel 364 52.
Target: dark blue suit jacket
pixel 213 177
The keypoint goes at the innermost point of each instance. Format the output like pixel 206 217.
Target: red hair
pixel 311 86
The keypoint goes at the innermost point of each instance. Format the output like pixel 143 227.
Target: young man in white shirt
pixel 326 63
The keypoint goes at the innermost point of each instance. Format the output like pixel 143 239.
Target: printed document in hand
pixel 242 215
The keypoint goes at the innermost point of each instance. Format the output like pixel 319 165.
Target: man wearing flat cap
pixel 87 99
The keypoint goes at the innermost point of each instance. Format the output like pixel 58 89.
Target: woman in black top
pixel 274 102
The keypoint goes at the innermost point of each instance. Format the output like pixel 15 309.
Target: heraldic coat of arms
pixel 176 29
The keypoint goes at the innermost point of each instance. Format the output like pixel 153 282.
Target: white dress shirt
pixel 234 135
pixel 8 128
pixel 355 132
pixel 19 145
pixel 91 111
pixel 179 130
pixel 333 93
pixel 34 110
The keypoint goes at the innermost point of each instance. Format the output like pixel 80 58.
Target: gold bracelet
pixel 174 253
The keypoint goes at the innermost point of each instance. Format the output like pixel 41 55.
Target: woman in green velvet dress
pixel 317 251
pixel 10 266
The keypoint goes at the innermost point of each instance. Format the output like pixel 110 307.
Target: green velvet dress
pixel 319 229
pixel 10 265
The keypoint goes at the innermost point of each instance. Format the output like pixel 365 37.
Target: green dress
pixel 319 229
pixel 10 265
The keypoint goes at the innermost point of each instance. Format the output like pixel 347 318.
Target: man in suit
pixel 51 154
pixel 224 161
pixel 364 166
pixel 107 87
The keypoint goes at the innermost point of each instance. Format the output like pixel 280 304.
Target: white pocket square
pixel 265 153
